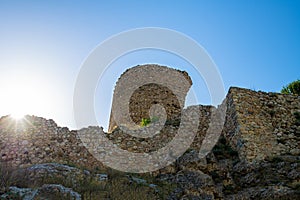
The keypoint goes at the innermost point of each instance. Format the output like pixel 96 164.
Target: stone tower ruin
pixel 140 88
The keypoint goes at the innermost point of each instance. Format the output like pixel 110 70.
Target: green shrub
pixel 292 88
pixel 145 122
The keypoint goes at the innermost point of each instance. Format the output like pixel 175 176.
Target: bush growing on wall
pixel 292 88
pixel 145 122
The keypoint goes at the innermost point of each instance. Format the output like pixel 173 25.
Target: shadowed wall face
pixel 148 91
pixel 151 94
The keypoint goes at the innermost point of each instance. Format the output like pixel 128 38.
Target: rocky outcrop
pixel 58 181
pixel 50 191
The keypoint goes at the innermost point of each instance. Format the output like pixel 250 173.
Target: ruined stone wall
pixel 34 140
pixel 149 86
pixel 260 125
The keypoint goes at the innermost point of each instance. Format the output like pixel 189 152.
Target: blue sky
pixel 255 44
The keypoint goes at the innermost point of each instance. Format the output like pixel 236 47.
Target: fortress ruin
pixel 141 87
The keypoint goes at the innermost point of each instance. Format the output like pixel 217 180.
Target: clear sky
pixel 255 44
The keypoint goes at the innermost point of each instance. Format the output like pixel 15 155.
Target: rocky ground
pixel 221 175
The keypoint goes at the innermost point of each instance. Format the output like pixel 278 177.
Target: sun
pixel 17 116
pixel 22 97
pixel 19 100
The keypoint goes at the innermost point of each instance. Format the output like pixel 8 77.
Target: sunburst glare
pixel 23 95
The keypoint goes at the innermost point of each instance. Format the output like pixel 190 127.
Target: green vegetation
pixel 292 88
pixel 147 121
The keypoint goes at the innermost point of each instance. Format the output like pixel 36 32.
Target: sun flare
pixel 17 116
pixel 25 96
pixel 20 100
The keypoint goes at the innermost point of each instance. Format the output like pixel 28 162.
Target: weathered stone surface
pixel 270 192
pixel 49 191
pixel 37 174
pixel 35 140
pixel 260 125
pixel 141 87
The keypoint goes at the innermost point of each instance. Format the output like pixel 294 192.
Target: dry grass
pixel 117 187
pixel 7 173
